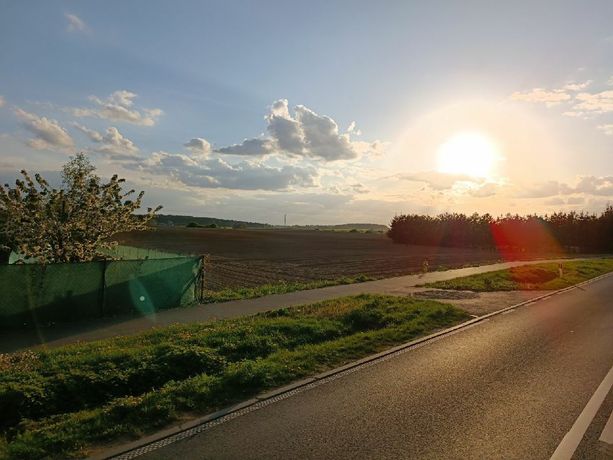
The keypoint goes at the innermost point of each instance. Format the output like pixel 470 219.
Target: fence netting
pixel 34 294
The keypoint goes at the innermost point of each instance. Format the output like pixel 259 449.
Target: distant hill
pixel 193 221
pixel 183 221
pixel 344 227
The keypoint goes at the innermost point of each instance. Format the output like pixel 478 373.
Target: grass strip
pixel 544 276
pixel 282 287
pixel 224 362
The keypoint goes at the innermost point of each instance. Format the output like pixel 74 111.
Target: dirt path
pixel 476 304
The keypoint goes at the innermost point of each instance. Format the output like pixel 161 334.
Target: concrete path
pixel 94 330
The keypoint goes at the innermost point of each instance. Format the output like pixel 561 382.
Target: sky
pixel 327 111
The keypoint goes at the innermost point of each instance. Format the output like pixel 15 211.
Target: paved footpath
pixel 111 327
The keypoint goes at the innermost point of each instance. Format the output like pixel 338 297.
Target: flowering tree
pixel 72 223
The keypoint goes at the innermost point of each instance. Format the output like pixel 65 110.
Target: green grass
pixel 59 403
pixel 282 287
pixel 530 277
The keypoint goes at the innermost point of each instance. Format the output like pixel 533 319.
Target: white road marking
pixel 507 312
pixel 607 433
pixel 571 440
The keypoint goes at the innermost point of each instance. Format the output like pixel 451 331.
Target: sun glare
pixel 473 154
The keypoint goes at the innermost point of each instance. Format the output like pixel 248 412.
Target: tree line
pixel 569 231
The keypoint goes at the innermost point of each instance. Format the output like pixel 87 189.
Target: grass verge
pixel 282 287
pixel 59 403
pixel 544 276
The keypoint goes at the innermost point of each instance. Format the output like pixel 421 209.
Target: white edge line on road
pixel 607 433
pixel 176 433
pixel 571 440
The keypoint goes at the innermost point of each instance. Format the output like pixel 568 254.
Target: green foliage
pixel 511 234
pixel 73 223
pixel 530 277
pixel 58 403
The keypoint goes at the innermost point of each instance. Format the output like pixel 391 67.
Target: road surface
pixel 62 334
pixel 510 387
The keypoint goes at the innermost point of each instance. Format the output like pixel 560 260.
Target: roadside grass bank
pixel 63 403
pixel 544 276
pixel 282 287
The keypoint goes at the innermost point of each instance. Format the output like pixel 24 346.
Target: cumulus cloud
pixel 541 95
pixel 75 23
pixel 112 142
pixel 597 103
pixel 250 147
pixel 438 180
pixel 48 134
pixel 582 103
pixel 304 134
pixel 216 173
pixel 93 135
pixel 199 146
pixel 484 190
pixel 353 129
pixel 589 185
pixel 577 86
pixel 545 189
pixel 595 185
pixel 119 107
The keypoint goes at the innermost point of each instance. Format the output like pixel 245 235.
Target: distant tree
pixel 193 225
pixel 514 234
pixel 72 223
pixel 213 225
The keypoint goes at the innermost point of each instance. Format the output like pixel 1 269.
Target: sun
pixel 469 153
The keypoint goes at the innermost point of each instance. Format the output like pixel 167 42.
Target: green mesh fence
pixel 35 294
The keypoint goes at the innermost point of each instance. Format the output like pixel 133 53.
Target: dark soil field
pixel 248 258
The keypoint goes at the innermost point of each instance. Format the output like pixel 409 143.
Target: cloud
pixel 556 201
pixel 353 129
pixel 93 135
pixel 575 200
pixel 438 180
pixel 576 86
pixel 590 185
pixel 304 134
pixel 119 107
pixel 598 103
pixel 593 185
pixel 484 190
pixel 112 142
pixel 2 101
pixel 607 129
pixel 541 95
pixel 216 173
pixel 75 23
pixel 48 134
pixel 545 189
pixel 199 146
pixel 250 147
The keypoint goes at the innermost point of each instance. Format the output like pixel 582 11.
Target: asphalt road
pixel 510 387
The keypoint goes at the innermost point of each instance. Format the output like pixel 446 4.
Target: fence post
pixel 201 278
